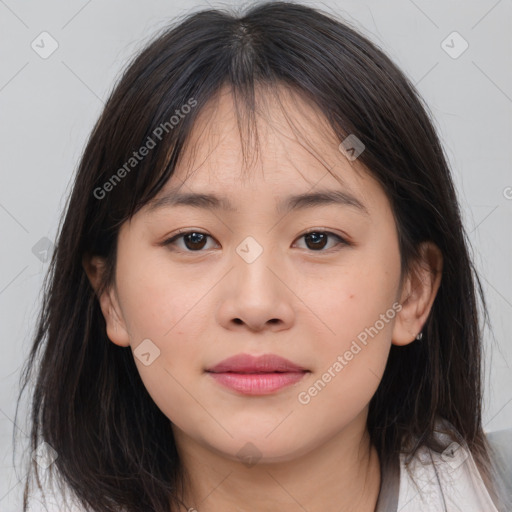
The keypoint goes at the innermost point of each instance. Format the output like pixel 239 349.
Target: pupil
pixel 315 237
pixel 194 238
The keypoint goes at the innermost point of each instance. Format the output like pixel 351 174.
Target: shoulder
pixel 501 446
pixel 448 480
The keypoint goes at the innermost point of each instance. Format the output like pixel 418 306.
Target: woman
pixel 261 296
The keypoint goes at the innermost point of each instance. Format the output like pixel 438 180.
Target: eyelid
pixel 184 231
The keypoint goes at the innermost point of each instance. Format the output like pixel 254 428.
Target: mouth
pixel 261 375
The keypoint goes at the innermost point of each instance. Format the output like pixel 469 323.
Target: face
pixel 314 282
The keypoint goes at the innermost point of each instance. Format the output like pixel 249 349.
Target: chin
pixel 260 447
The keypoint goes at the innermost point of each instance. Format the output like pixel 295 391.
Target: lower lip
pixel 257 383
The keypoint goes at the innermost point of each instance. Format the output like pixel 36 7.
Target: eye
pixel 195 241
pixel 316 240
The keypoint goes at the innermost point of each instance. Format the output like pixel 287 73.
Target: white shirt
pixel 446 483
pixel 435 482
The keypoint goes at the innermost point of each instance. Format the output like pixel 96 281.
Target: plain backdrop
pixel 49 103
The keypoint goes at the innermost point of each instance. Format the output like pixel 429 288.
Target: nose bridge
pixel 258 283
pixel 254 261
pixel 255 294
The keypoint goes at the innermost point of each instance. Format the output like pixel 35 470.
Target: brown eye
pixel 317 240
pixel 194 241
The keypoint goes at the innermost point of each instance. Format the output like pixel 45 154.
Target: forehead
pixel 290 148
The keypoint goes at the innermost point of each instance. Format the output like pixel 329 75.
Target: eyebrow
pixel 290 203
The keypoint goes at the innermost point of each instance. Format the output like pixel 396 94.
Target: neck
pixel 340 474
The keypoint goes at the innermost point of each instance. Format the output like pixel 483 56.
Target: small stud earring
pixel 420 335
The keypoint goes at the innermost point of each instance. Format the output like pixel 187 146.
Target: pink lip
pixel 256 375
pixel 245 363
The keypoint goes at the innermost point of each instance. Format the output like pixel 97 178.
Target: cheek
pixel 163 307
pixel 355 299
pixel 171 378
pixel 159 299
pixel 351 361
pixel 357 308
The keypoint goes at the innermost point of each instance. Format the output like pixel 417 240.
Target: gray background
pixel 48 107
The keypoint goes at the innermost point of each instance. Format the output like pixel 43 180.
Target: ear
pixel 418 293
pixel 117 332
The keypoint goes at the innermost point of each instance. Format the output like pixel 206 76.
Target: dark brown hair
pixel 115 447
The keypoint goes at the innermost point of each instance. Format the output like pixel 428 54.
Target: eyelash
pixel 181 234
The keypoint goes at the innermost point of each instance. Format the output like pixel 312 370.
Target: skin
pixel 296 301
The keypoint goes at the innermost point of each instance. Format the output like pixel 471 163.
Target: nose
pixel 256 295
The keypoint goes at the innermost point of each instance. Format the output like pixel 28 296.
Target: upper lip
pixel 266 363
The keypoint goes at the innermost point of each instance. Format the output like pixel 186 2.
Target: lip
pixel 266 363
pixel 260 375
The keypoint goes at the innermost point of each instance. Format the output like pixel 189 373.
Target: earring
pixel 420 335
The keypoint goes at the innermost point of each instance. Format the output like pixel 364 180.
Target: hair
pixel 115 448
